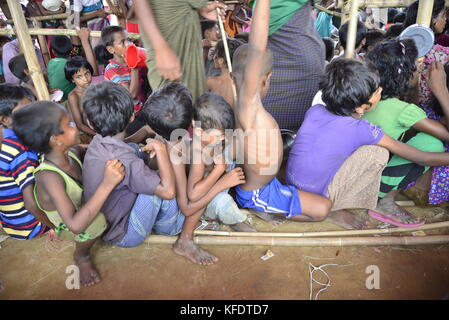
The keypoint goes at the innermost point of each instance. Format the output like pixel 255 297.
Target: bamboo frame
pixel 228 56
pixel 307 242
pixel 352 30
pixel 42 43
pixel 60 16
pixel 60 32
pixel 333 13
pixel 26 43
pixel 383 3
pixel 430 226
pixel 425 12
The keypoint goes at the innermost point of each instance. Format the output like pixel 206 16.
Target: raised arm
pixel 434 128
pixel 437 80
pixel 249 93
pixel 84 34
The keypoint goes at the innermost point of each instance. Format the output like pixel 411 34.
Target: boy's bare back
pixel 262 142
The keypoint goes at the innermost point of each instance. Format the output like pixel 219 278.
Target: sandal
pixel 208 225
pixel 386 218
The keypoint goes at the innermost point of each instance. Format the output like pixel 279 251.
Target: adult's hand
pixel 167 64
pixel 209 11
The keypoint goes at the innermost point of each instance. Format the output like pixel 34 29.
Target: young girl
pixel 44 126
pixel 336 153
pixel 395 62
pixel 222 84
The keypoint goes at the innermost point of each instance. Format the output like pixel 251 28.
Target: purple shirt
pixel 322 145
pixel 10 50
pixel 139 179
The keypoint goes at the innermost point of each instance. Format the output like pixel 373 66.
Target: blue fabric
pixel 93 7
pixel 151 213
pixel 323 25
pixel 272 198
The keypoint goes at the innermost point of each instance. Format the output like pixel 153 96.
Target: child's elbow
pixel 169 194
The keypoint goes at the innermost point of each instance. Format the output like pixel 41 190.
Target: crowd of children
pixel 112 158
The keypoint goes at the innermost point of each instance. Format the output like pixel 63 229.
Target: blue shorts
pixel 272 198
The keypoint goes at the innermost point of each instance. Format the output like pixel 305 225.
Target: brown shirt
pixel 139 179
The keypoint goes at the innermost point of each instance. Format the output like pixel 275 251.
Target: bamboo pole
pixel 425 13
pixel 42 43
pixel 228 56
pixel 352 30
pixel 430 226
pixel 60 32
pixel 307 242
pixel 28 49
pixel 60 16
pixel 333 13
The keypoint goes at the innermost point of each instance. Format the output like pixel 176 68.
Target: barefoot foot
pixel 388 211
pixel 346 220
pixel 187 248
pixel 242 227
pixel 88 274
pixel 269 217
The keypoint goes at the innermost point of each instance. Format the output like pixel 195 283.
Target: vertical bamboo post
pixel 425 13
pixel 352 30
pixel 26 43
pixel 42 42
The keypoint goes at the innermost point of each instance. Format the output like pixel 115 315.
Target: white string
pixel 312 280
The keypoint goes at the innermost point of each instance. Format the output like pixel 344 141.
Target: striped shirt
pixel 121 74
pixel 17 164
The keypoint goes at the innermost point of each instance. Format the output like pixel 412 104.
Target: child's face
pixel 82 78
pixel 211 137
pixel 70 135
pixel 120 44
pixel 7 121
pixel 212 34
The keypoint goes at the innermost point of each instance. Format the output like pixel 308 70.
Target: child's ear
pixel 110 49
pixel 6 121
pixel 54 142
pixel 89 125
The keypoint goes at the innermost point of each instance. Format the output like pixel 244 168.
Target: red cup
pixel 135 57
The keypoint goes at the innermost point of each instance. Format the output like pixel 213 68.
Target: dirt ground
pixel 36 269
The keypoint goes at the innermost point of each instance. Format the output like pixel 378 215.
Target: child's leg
pixel 170 220
pixel 314 207
pixel 224 208
pixel 356 185
pixel 141 220
pixel 185 246
pixel 88 273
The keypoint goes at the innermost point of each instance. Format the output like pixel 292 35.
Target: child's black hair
pixel 360 35
pixel 10 96
pixel 102 54
pixel 395 62
pixel 233 44
pixel 372 38
pixel 4 39
pixel 107 38
pixel 412 12
pixel 108 107
pixel 392 13
pixel 206 25
pixel 329 45
pixel 37 122
pixel 347 85
pixel 107 34
pixel 18 65
pixel 394 31
pixel 399 18
pixel 74 65
pixel 61 45
pixel 169 108
pixel 213 112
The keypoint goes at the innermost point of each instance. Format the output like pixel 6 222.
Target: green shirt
pixel 281 11
pixel 56 76
pixel 395 116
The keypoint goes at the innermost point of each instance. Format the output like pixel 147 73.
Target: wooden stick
pixel 307 242
pixel 333 13
pixel 425 13
pixel 61 32
pixel 430 226
pixel 60 16
pixel 352 30
pixel 28 49
pixel 42 43
pixel 228 56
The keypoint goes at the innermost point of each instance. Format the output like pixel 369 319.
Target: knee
pixel 322 209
